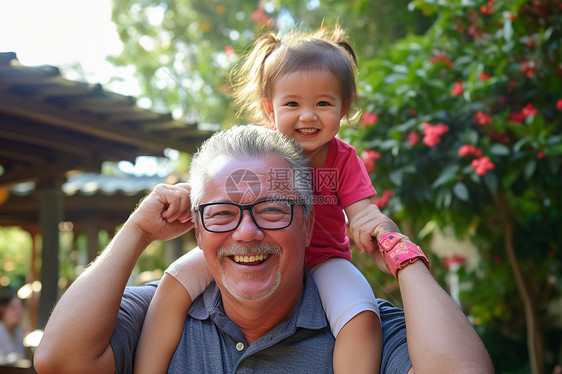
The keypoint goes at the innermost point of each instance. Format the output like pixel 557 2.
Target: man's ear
pixel 268 107
pixel 309 226
pixel 196 231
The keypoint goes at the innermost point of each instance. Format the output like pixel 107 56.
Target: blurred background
pixel 461 131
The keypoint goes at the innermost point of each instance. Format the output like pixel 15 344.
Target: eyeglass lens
pixel 222 217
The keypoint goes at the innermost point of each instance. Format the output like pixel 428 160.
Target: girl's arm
pixel 163 327
pixel 182 282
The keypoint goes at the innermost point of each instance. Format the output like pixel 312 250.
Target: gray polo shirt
pixel 211 343
pixel 301 344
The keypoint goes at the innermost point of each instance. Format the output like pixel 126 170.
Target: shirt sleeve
pixel 354 180
pixel 395 357
pixel 134 305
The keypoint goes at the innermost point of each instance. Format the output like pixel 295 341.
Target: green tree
pixel 465 126
pixel 462 121
pixel 183 50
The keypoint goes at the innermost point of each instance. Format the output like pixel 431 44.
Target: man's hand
pixel 165 213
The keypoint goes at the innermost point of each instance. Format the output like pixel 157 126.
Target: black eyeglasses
pixel 271 214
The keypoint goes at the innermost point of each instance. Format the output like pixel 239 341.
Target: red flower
pixel 413 138
pixel 511 16
pixel 469 150
pixel 432 133
pixel 529 110
pixel 458 89
pixel 260 16
pixel 516 118
pixel 381 201
pixel 500 137
pixel 528 68
pixel 369 119
pixel 483 118
pixel 229 52
pixel 441 57
pixel 453 260
pixel 482 165
pixel 541 155
pixel 370 158
pixel 484 76
pixel 474 31
pixel 559 104
pixel 486 10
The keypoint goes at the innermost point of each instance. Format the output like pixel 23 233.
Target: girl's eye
pixel 323 103
pixel 292 103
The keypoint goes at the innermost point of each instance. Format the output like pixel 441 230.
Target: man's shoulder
pixel 142 293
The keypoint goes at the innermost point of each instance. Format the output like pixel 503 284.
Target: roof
pixel 105 198
pixel 50 124
pixel 88 184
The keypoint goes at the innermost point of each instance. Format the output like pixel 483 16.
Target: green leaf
pixel 507 27
pixel 520 143
pixel 396 177
pixel 461 191
pixel 491 181
pixel 447 175
pixel 530 168
pixel 499 150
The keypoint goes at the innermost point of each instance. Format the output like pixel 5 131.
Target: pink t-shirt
pixel 341 182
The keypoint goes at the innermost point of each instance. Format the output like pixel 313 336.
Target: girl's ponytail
pixel 249 80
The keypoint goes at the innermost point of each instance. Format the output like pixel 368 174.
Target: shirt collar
pixel 308 313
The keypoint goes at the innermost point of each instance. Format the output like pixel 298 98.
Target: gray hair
pixel 251 141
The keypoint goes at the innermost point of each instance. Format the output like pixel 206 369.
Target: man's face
pixel 250 263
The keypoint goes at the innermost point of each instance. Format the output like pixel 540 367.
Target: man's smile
pixel 252 259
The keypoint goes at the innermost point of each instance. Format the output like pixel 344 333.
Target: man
pixel 264 313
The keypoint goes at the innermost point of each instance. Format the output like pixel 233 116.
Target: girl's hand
pixel 368 225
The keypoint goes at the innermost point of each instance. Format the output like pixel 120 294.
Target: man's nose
pixel 247 231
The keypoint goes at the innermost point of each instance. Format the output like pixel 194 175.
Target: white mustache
pixel 259 249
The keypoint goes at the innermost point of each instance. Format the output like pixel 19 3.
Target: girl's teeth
pixel 308 131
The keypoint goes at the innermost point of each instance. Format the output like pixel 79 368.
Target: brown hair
pixel 271 58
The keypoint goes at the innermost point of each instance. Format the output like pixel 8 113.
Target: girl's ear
pixel 345 110
pixel 268 107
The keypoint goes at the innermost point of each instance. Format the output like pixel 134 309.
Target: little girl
pixel 303 86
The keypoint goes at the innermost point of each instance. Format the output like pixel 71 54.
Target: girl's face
pixel 307 106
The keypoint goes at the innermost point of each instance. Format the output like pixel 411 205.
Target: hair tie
pixel 349 50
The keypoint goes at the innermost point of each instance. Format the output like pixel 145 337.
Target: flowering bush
pixel 483 88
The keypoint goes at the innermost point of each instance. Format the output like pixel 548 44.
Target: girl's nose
pixel 308 115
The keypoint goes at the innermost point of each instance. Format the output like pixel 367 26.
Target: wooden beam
pixel 71 119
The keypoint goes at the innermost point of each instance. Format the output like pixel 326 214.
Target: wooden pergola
pixel 50 127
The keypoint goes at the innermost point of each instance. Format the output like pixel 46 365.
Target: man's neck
pixel 257 318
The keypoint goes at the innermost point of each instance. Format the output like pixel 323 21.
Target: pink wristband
pixel 399 255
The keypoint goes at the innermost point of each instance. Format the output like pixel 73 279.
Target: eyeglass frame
pixel 249 207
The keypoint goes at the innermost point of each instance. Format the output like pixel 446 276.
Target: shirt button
pixel 239 346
